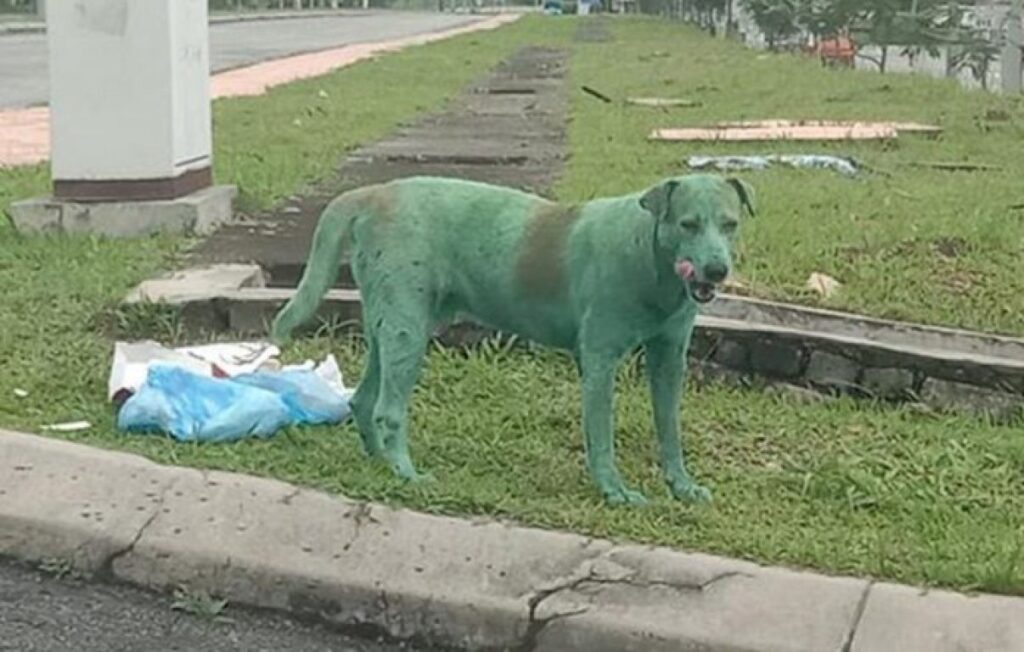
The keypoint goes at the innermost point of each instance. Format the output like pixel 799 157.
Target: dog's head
pixel 697 217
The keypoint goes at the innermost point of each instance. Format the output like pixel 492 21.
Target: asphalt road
pixel 40 613
pixel 23 57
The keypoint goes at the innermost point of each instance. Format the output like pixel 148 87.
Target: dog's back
pixel 487 251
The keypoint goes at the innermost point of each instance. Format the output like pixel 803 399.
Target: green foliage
pixel 776 18
pixel 914 25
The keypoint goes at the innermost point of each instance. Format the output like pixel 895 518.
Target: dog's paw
pixel 691 492
pixel 416 478
pixel 623 496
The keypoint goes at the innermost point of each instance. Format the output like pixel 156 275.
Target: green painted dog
pixel 597 279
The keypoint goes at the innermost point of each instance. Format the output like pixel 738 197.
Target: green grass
pixel 924 245
pixel 880 492
pixel 846 488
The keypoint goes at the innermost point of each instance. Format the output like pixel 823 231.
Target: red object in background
pixel 839 49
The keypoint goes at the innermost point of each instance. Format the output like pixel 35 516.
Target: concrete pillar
pixel 129 119
pixel 1010 61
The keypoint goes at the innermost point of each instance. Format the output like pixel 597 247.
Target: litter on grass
pixel 221 392
pixel 69 426
pixel 841 164
pixel 822 284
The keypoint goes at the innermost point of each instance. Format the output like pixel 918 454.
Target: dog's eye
pixel 730 227
pixel 689 225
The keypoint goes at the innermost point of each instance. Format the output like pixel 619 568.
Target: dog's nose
pixel 715 272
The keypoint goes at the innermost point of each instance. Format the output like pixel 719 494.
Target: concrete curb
pixel 740 337
pixel 445 581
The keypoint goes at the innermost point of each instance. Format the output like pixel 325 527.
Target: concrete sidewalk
pixel 447 581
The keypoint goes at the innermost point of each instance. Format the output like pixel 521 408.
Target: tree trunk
pixel 883 59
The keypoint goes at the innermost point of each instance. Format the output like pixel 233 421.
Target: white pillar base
pixel 199 213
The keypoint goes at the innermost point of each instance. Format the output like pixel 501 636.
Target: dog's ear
pixel 656 201
pixel 745 192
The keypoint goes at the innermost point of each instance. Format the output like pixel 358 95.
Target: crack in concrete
pixel 105 569
pixel 361 515
pixel 858 614
pixel 537 625
pixel 287 500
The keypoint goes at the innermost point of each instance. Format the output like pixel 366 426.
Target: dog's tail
pixel 329 241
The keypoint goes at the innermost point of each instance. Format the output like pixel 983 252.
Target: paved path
pixel 25 132
pixel 23 60
pixel 41 613
pixel 506 128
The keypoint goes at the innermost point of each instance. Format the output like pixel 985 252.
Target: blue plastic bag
pixel 194 407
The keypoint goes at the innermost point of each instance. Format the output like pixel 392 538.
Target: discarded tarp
pixel 221 392
pixel 841 164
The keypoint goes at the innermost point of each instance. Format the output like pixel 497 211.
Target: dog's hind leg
pixel 402 336
pixel 598 364
pixel 666 363
pixel 365 398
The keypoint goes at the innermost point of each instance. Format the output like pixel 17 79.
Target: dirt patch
pixel 508 129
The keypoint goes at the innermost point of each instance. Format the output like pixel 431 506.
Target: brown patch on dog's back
pixel 380 203
pixel 541 268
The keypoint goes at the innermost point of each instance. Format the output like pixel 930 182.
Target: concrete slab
pixel 904 618
pixel 750 134
pixel 196 283
pixel 199 213
pixel 77 504
pixel 462 151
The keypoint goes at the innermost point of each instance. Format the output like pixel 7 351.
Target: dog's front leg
pixel 666 368
pixel 597 366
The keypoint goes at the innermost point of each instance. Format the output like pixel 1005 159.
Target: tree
pixel 826 18
pixel 777 19
pixel 925 26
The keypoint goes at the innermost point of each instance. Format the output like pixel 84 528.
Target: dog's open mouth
pixel 702 292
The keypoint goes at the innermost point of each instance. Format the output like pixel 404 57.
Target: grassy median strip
pixel 906 241
pixel 843 487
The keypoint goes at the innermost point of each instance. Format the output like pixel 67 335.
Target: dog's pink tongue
pixel 685 270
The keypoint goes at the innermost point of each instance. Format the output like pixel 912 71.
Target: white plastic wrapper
pixel 222 360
